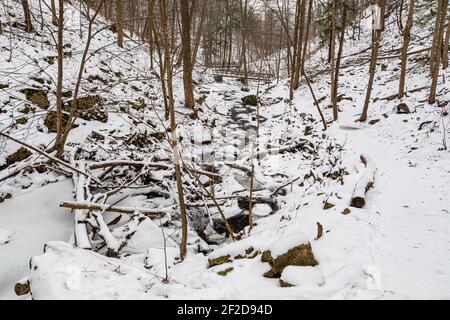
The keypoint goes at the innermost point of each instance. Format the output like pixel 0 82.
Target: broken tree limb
pixel 153 213
pixel 364 183
pixel 45 154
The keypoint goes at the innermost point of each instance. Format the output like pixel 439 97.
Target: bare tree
pixel 26 12
pixel 376 38
pixel 119 21
pixel 166 43
pixel 187 57
pixel 406 38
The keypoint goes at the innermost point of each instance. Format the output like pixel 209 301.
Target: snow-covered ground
pixel 33 219
pixel 396 247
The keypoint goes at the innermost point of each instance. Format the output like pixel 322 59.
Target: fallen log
pixel 153 213
pixel 364 183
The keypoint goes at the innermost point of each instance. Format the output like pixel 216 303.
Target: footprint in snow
pixel 6 236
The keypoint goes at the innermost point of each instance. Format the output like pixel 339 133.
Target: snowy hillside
pixel 397 246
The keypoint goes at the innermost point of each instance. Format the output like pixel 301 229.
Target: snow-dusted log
pixel 80 229
pixel 154 213
pixel 365 182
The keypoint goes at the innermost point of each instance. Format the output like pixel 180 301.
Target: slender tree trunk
pixel 338 59
pixel 406 38
pixel 119 18
pixel 175 147
pixel 332 60
pixel 438 50
pixel 26 12
pixel 301 27
pixel 446 44
pixel 53 9
pixel 187 57
pixel 59 81
pixel 198 35
pixel 376 38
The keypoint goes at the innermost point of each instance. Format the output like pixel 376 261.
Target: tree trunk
pixel 54 16
pixel 59 83
pixel 26 12
pixel 175 147
pixel 119 17
pixel 376 38
pixel 441 14
pixel 338 60
pixel 446 44
pixel 332 60
pixel 406 38
pixel 187 57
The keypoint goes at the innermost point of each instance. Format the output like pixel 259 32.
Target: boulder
pixel 403 108
pixel 37 96
pixel 89 108
pixel 17 156
pixel 218 261
pixel 237 222
pixel 250 100
pixel 50 120
pixel 279 258
pixel 218 78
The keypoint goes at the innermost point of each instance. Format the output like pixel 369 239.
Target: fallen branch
pixel 364 183
pixel 45 154
pixel 153 213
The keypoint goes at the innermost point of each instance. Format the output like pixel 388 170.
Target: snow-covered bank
pixel 34 219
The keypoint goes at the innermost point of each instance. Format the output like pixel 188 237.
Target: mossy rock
pixel 327 205
pixel 50 120
pixel 37 96
pixel 403 108
pixel 285 284
pixel 89 108
pixel 218 78
pixel 21 120
pixel 223 273
pixel 218 261
pixel 21 154
pixel 250 100
pixel 93 78
pixel 67 94
pixel 301 255
pixel 346 211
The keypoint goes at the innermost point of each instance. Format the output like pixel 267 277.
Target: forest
pixel 224 149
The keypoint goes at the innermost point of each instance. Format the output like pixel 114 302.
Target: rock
pixel 37 96
pixel 21 120
pixel 22 288
pixel 218 78
pixel 346 211
pixel 50 59
pixel 4 86
pixel 225 272
pixel 383 67
pixel 21 154
pixel 243 203
pixel 372 122
pixel 67 94
pixel 304 277
pixel 50 120
pixel 300 255
pixel 328 205
pixel 89 108
pixel 218 261
pixel 237 222
pixel 6 236
pixel 285 284
pixel 250 100
pixel 403 108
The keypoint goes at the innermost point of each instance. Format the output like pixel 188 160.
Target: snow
pixel 396 247
pixel 6 236
pixel 35 219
